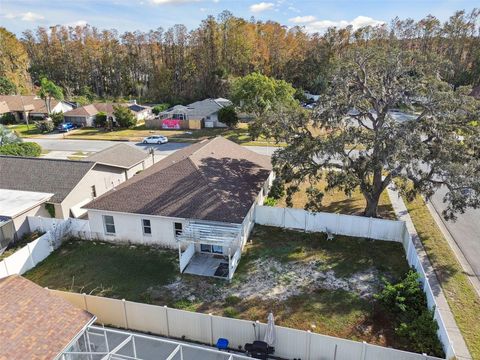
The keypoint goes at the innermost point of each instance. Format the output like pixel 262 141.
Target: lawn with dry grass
pixel 240 135
pixel 335 201
pixel 309 282
pixel 460 294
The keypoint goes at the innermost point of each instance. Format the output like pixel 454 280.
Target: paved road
pixel 55 144
pixel 465 231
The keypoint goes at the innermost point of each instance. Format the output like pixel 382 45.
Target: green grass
pixel 461 296
pixel 239 135
pixel 335 201
pixel 138 274
pixel 24 130
pixel 118 271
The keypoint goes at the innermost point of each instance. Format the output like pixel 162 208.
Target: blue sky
pixel 123 15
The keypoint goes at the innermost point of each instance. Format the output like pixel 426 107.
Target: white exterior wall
pixel 128 228
pixel 103 177
pixel 62 107
pixel 20 222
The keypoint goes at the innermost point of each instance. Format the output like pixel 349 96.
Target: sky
pixel 131 15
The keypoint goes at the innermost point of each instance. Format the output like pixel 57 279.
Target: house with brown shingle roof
pixel 35 323
pixel 31 106
pixel 85 115
pixel 199 199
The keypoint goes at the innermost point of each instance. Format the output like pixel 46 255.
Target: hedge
pixel 21 149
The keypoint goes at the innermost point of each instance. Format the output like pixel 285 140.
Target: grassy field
pixel 460 294
pixel 336 201
pixel 24 130
pixel 151 275
pixel 239 135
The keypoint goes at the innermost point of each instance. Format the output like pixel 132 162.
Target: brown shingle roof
pixel 36 324
pixel 120 155
pixel 87 110
pixel 4 107
pixel 26 103
pixel 215 180
pixel 54 176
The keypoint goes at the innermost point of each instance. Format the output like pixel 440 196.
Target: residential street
pixel 465 231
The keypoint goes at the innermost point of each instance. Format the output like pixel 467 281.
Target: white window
pixel 109 224
pixel 216 249
pixel 178 228
pixel 147 227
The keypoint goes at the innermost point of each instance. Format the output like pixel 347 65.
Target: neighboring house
pixel 36 324
pixel 15 206
pixel 85 115
pixel 31 106
pixel 72 183
pixel 123 157
pixel 200 199
pixel 205 111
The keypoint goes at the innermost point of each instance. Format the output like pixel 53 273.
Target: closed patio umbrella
pixel 270 336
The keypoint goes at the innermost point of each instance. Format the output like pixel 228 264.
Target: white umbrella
pixel 270 336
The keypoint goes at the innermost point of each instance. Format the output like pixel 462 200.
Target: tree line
pixel 178 65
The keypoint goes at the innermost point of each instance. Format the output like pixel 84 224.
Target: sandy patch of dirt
pixel 270 279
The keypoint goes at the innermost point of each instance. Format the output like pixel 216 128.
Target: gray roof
pixel 215 180
pixel 200 109
pixel 58 177
pixel 120 155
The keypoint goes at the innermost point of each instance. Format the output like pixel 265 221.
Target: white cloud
pixel 261 7
pixel 294 9
pixel 165 2
pixel 360 21
pixel 28 16
pixel 302 19
pixel 81 23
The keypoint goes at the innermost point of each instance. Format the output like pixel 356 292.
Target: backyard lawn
pixel 335 201
pixel 307 281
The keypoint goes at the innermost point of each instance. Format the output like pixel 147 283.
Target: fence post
pixel 6 268
pixel 211 328
pixel 125 313
pixel 30 255
pixel 309 342
pixel 369 232
pixel 364 350
pixel 85 301
pixel 166 317
pixel 283 217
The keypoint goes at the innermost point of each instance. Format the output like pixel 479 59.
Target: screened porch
pixel 210 249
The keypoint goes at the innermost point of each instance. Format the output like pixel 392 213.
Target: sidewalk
pixel 453 332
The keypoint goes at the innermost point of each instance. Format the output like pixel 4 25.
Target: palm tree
pixel 49 91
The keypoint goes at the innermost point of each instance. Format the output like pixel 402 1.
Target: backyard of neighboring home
pixel 308 281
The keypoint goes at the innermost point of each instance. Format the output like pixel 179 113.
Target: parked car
pixel 66 127
pixel 155 139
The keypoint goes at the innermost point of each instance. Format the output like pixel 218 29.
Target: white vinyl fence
pixel 206 329
pixel 349 225
pixel 31 254
pixel 358 226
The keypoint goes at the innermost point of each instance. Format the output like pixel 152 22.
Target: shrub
pixel 414 322
pixel 157 109
pixel 269 201
pixel 7 119
pixel 230 312
pixel 101 119
pixel 228 116
pixel 21 149
pixel 277 190
pixel 232 300
pixel 124 116
pixel 50 209
pixel 57 118
pixel 45 126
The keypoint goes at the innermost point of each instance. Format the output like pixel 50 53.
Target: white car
pixel 155 139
